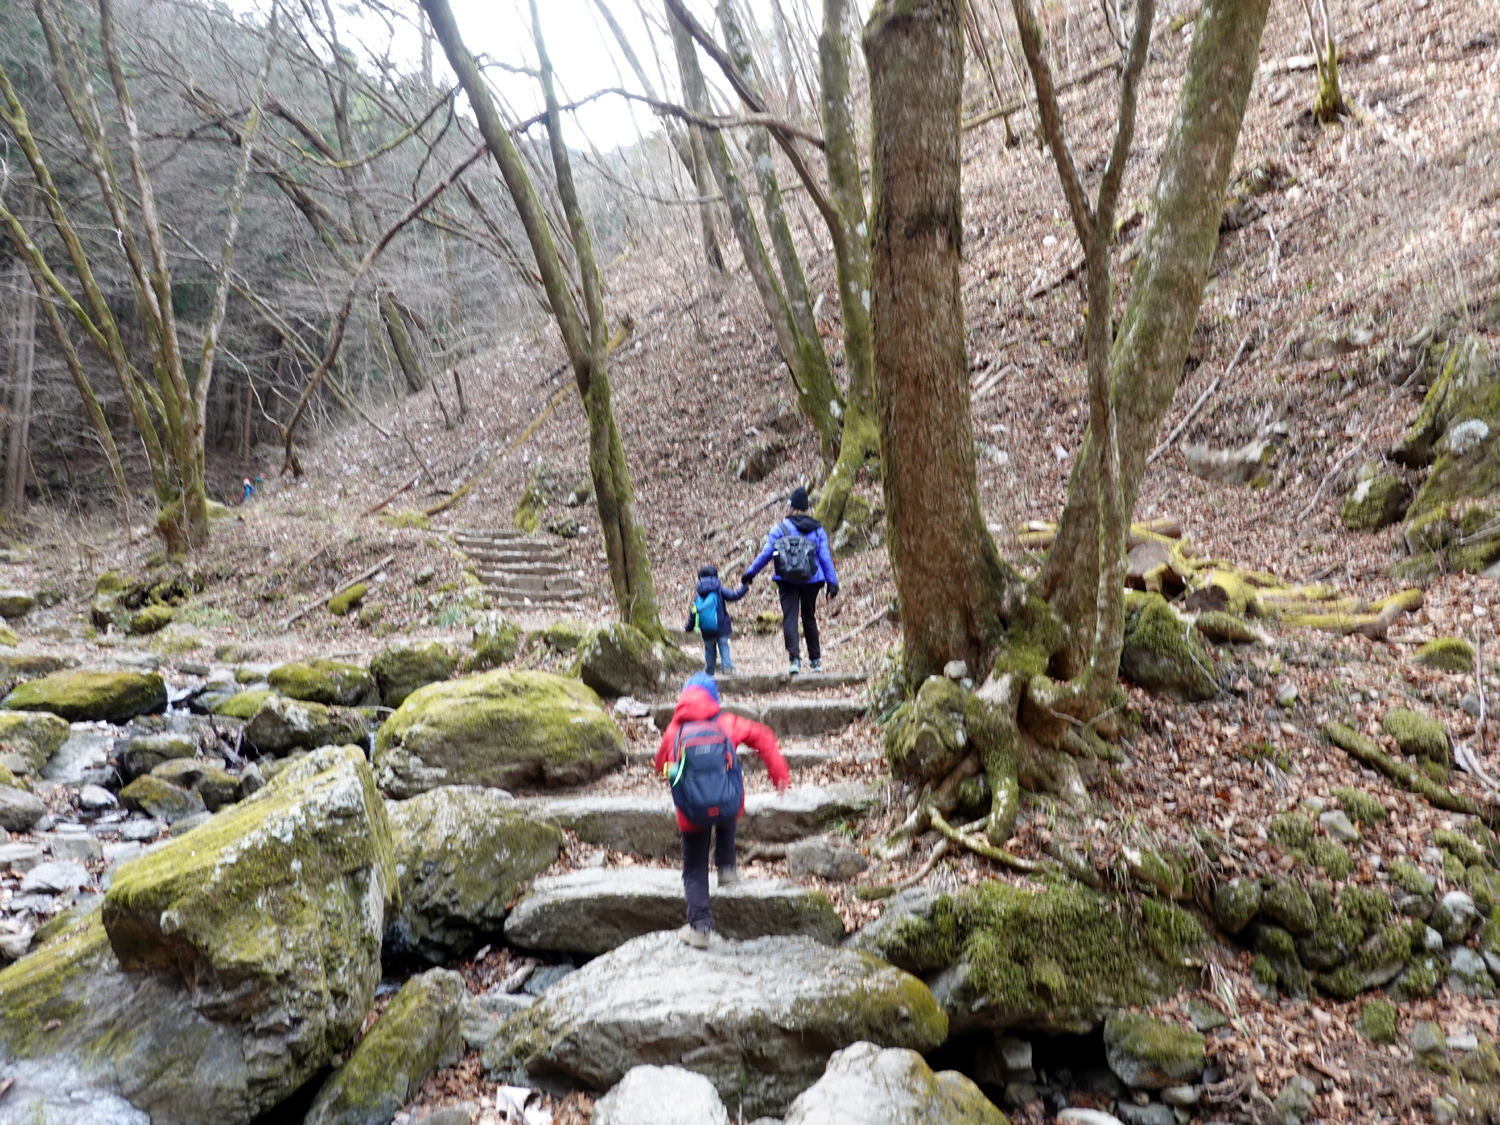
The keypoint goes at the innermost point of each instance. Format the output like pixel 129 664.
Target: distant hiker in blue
pixel 249 491
pixel 710 618
pixel 804 565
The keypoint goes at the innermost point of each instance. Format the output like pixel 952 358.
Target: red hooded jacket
pixel 696 705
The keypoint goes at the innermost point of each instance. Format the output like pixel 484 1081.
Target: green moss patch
pixel 929 737
pixel 1447 654
pixel 1377 1021
pixel 1417 734
pixel 1162 653
pixel 401 669
pixel 29 738
pixel 345 600
pixel 1376 502
pixel 241 705
pixel 619 660
pixel 1149 1053
pixel 494 639
pixel 1361 807
pixel 151 618
pixel 115 697
pixel 322 681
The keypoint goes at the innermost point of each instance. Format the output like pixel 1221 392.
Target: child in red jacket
pixel 699 755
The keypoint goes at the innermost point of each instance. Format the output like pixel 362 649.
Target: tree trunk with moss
pixel 802 351
pixel 585 336
pixel 860 441
pixel 948 573
pixel 1165 293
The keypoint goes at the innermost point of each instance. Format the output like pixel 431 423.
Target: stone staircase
pixel 520 572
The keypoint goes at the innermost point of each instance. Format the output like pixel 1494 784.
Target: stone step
pixel 564 604
pixel 595 910
pixel 494 535
pixel 798 757
pixel 772 683
pixel 520 552
pixel 529 570
pixel 532 584
pixel 511 599
pixel 646 824
pixel 789 718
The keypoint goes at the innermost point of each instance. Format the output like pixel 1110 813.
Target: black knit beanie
pixel 708 570
pixel 797 501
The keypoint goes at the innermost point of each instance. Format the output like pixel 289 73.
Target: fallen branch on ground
pixel 1363 749
pixel 985 848
pixel 358 578
pixel 1197 406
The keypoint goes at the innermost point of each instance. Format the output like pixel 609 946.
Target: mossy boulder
pixel 1456 430
pixel 9 637
pixel 619 659
pixel 1377 501
pixel 215 785
pixel 242 704
pixel 1161 652
pixel 16 603
pixel 1236 902
pixel 562 636
pixel 419 1032
pixel 1377 1021
pixel 1147 1053
pixel 402 668
pixel 145 752
pixel 494 639
pixel 1056 959
pixel 275 910
pixel 282 724
pixel 502 729
pixel 323 681
pixel 865 1085
pixel 929 737
pixel 341 603
pixel 1225 628
pixel 462 853
pixel 1362 807
pixel 759 1019
pixel 161 799
pixel 19 810
pixel 1284 900
pixel 29 738
pixel 1447 654
pixel 1417 734
pixel 151 618
pixel 81 697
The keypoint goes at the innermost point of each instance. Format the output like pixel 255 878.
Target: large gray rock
pixel 85 696
pixel 594 911
pixel 789 718
pixel 619 660
pixel 402 668
pixel 19 810
pixel 144 753
pixel 661 1095
pixel 647 825
pixel 758 1018
pixel 462 853
pixel 1147 1053
pixel 273 911
pixel 503 729
pixel 823 859
pixel 417 1034
pixel 865 1085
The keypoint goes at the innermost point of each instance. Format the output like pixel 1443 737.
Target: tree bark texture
pixel 804 355
pixel 948 574
pixel 1165 293
pixel 586 342
pixel 860 440
pixel 22 361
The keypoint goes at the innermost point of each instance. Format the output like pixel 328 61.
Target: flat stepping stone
pixel 646 824
pixel 594 911
pixel 798 757
pixel 758 1019
pixel 772 683
pixel 789 718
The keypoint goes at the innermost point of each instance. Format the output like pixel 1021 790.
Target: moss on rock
pixel 1447 654
pixel 562 636
pixel 462 854
pixel 115 697
pixel 1225 628
pixel 161 799
pixel 345 600
pixel 402 668
pixel 1286 902
pixel 494 639
pixel 275 905
pixel 216 786
pixel 1161 653
pixel 1459 846
pixel 280 724
pixel 29 738
pixel 323 681
pixel 1058 958
pixel 1361 807
pixel 419 1032
pixel 1147 1053
pixel 504 728
pixel 1376 502
pixel 241 705
pixel 1417 734
pixel 929 737
pixel 1377 1021
pixel 151 618
pixel 619 660
pixel 1236 903
pixel 1455 431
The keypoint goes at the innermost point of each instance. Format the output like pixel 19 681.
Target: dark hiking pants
pixel 695 866
pixel 800 597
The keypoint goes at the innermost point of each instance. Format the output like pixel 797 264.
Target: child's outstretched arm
pixel 735 595
pixel 761 739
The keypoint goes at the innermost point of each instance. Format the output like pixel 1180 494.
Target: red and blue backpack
pixel 707 780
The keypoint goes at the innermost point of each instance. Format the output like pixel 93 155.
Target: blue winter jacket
pixel 711 585
pixel 808 528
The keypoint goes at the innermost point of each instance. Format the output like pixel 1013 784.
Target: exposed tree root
pixel 989 851
pixel 1362 749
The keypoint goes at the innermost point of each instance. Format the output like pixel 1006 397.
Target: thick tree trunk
pixel 23 358
pixel 1165 293
pixel 949 576
pixel 860 440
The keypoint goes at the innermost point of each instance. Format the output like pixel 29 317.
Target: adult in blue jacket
pixel 799 597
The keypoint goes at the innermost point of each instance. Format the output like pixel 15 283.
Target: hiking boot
pixel 728 877
pixel 817 664
pixel 795 669
pixel 697 939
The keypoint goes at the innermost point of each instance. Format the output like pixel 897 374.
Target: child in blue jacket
pixel 710 618
pixel 799 594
